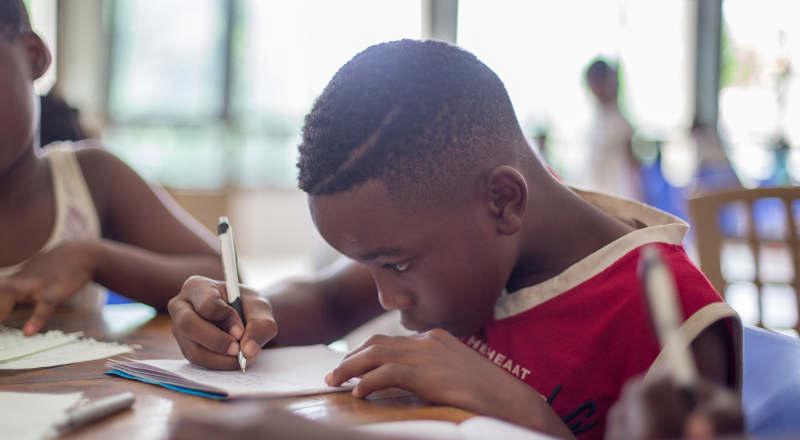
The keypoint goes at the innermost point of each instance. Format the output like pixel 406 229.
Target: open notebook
pixel 278 372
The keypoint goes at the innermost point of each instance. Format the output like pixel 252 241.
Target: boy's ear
pixel 508 198
pixel 38 54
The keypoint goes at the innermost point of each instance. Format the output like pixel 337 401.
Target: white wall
pixel 275 235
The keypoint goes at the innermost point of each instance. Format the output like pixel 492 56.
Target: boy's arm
pixel 209 331
pixel 326 308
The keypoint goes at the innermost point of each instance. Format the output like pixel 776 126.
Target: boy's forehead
pixel 366 216
pixel 371 197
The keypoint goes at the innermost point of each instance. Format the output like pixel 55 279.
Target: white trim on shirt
pixel 660 227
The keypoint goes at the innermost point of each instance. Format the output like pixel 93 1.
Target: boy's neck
pixel 564 231
pixel 18 180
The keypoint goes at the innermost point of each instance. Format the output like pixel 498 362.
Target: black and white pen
pixel 666 315
pixel 231 268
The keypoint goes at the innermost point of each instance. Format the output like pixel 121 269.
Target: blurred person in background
pixel 611 165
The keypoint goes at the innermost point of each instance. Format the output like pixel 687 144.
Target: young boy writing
pixel 73 218
pixel 524 291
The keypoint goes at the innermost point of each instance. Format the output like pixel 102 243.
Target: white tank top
pixel 76 218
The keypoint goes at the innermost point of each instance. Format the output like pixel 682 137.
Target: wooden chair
pixel 710 237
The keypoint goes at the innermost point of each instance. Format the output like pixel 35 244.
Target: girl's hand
pixel 48 280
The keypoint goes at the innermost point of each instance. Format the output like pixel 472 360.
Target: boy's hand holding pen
pixel 221 325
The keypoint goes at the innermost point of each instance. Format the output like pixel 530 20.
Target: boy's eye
pixel 398 267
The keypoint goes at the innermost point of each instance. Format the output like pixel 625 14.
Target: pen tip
pixel 242 362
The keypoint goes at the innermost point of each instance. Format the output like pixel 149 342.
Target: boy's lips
pixel 413 325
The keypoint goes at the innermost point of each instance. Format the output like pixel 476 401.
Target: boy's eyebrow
pixel 380 252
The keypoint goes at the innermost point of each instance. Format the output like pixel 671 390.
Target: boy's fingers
pixel 388 341
pixel 261 326
pixel 192 326
pixel 199 355
pixel 359 364
pixel 257 333
pixel 208 302
pixel 385 376
pixel 44 309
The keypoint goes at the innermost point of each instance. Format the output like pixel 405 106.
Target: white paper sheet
pixel 33 416
pixel 76 351
pixel 13 344
pixel 278 372
pixel 415 429
pixel 479 428
pixel 476 428
pixel 19 352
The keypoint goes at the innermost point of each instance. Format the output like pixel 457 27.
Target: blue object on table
pixel 771 388
pixel 215 396
pixel 115 298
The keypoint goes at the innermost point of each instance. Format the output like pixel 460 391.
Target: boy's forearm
pixel 308 312
pixel 507 398
pixel 528 408
pixel 326 308
pixel 146 276
pixel 300 311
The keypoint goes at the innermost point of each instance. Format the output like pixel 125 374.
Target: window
pixel 231 100
pixel 760 91
pixel 540 51
pixel 168 61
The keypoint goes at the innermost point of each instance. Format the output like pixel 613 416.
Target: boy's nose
pixel 392 299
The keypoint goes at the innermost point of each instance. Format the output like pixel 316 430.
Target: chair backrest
pixel 714 225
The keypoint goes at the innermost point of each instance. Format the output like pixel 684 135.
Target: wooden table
pixel 155 406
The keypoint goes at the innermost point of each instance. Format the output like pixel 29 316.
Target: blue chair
pixel 771 388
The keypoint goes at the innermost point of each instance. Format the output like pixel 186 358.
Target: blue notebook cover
pixel 215 396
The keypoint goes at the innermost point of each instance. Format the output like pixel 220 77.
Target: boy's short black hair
pixel 13 17
pixel 418 115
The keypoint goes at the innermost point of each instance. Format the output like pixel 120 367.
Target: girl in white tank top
pixel 76 218
pixel 123 233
